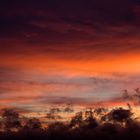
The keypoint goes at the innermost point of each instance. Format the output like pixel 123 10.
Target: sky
pixel 68 51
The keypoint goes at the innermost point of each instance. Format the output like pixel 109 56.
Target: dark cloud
pixel 131 96
pixel 66 100
pixel 83 25
pixel 31 20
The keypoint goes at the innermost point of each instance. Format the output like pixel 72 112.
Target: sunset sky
pixel 68 51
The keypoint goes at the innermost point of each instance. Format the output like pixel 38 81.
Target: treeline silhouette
pixel 98 124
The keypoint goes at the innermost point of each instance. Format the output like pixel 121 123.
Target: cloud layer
pixel 62 51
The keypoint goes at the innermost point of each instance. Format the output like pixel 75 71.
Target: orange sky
pixel 36 78
pixel 83 53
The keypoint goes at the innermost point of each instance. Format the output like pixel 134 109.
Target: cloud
pixel 67 100
pixel 45 20
pixel 71 50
